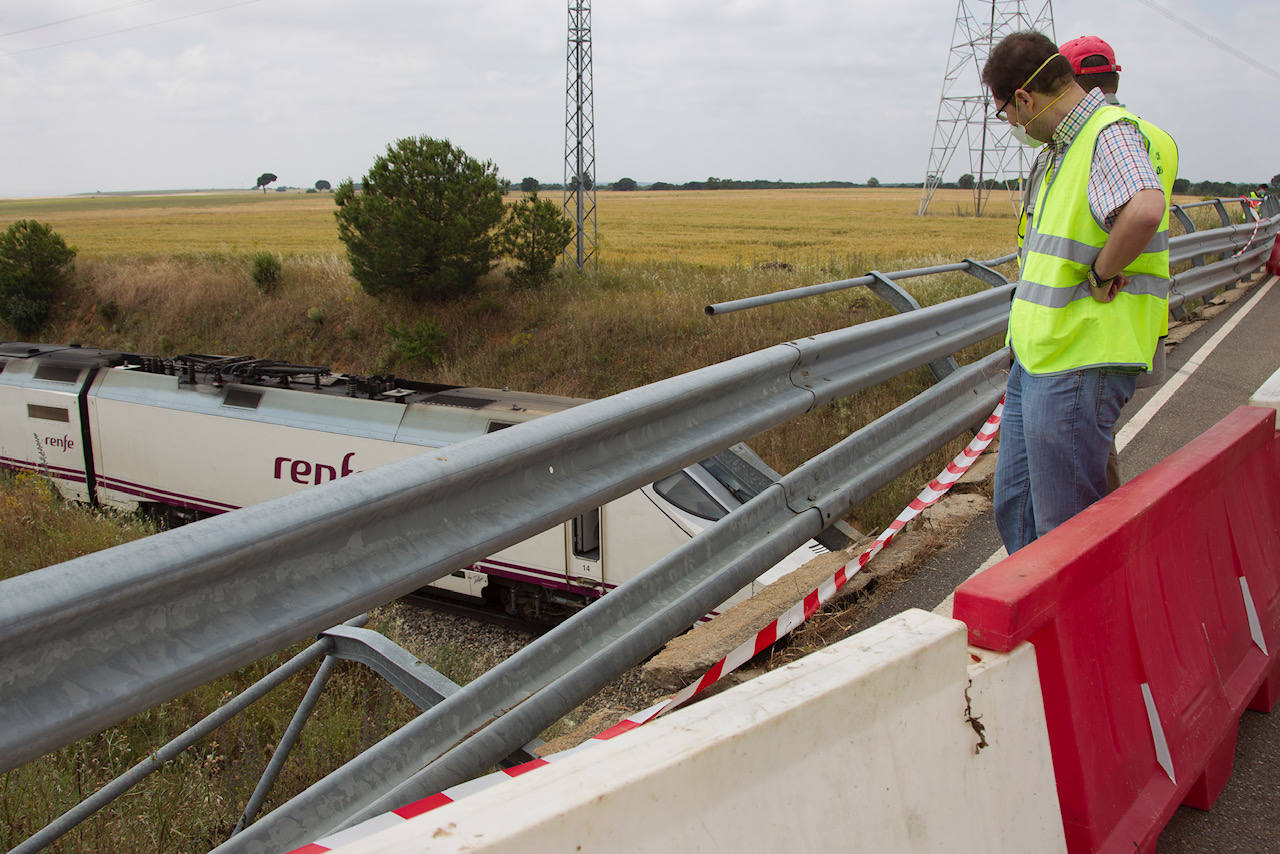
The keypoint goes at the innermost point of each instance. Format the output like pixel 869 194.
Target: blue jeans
pixel 1054 438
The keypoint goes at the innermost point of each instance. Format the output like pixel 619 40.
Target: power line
pixel 133 29
pixel 76 18
pixel 1209 37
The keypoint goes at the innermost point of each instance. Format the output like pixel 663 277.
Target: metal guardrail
pixel 880 283
pixel 1244 247
pixel 468 731
pixel 145 622
pixel 1251 237
pixel 87 643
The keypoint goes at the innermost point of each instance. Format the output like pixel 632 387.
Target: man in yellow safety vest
pixel 1093 296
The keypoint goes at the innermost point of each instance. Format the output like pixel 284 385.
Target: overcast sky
pixel 172 94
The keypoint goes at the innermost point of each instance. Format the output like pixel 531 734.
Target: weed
pixel 421 343
pixel 109 311
pixel 266 271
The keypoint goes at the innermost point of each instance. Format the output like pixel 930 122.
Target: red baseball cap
pixel 1077 50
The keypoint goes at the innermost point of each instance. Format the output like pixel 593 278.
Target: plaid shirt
pixel 1120 167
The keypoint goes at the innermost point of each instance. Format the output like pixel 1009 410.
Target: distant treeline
pixel 1181 186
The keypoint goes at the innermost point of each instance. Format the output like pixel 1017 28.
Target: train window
pixel 495 426
pixel 57 373
pixel 48 413
pixel 243 398
pixel 681 491
pixel 586 535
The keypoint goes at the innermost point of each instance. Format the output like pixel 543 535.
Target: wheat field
pixel 718 227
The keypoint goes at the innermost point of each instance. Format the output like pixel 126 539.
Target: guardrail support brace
pixel 902 302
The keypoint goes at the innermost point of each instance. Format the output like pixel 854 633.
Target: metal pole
pixel 287 741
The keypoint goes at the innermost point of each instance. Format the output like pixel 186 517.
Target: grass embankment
pixel 172 275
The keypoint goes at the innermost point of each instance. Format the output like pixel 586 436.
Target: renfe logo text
pixel 307 472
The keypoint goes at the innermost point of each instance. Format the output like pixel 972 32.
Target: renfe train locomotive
pixel 138 433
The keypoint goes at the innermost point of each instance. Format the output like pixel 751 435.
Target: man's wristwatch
pixel 1096 281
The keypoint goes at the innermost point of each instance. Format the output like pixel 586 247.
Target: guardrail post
pixel 985 274
pixel 1222 212
pixel 1197 260
pixel 421 684
pixel 902 302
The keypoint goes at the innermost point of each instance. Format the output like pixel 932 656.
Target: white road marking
pixel 1198 358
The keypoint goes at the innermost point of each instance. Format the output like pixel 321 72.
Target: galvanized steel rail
pixel 87 643
pixel 469 731
pixel 1251 238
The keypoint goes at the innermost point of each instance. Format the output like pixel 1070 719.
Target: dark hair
pixel 1017 57
pixel 1107 81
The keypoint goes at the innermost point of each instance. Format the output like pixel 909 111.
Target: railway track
pixel 448 603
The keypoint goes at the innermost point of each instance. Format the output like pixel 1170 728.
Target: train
pixel 190 436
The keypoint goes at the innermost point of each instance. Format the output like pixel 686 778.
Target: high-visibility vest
pixel 1054 324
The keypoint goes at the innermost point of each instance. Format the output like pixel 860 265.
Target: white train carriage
pixel 137 432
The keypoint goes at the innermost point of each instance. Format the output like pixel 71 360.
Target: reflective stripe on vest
pixel 1054 324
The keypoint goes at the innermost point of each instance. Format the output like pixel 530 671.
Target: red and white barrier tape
pixel 1254 204
pixel 766 637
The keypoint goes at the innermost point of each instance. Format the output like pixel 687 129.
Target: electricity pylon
pixel 965 110
pixel 580 139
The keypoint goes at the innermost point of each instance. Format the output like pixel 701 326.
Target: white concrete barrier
pixel 900 738
pixel 1268 394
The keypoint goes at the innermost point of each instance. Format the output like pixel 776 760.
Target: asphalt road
pixel 1246 817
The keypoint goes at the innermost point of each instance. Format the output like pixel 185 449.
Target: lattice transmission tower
pixel 580 139
pixel 965 117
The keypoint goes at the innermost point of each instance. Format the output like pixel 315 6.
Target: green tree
pixel 529 185
pixel 1181 186
pixel 263 180
pixel 1275 182
pixel 966 182
pixel 34 263
pixel 424 223
pixel 873 182
pixel 536 231
pixel 624 184
pixel 322 184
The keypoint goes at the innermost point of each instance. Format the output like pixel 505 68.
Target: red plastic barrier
pixel 1273 263
pixel 1155 615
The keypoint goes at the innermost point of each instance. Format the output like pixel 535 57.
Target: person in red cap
pixel 1094 64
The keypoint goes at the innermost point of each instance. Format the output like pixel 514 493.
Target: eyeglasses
pixel 1000 115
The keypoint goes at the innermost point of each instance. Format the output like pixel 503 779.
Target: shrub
pixel 534 235
pixel 423 223
pixel 109 311
pixel 424 342
pixel 266 271
pixel 34 262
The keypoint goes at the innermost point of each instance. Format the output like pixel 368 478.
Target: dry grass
pixel 636 319
pixel 214 222
pixel 37 528
pixel 860 229
pixel 194 801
